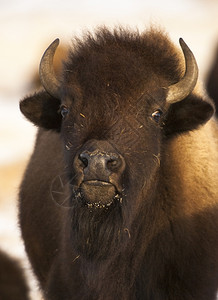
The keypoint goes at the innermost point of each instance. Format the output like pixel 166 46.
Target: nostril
pixel 114 164
pixel 83 157
pixel 99 162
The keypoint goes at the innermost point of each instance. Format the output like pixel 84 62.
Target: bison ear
pixel 188 114
pixel 42 110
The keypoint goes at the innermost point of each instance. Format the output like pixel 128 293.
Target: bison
pixel 120 197
pixel 13 284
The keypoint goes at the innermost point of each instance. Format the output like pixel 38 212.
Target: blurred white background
pixel 26 29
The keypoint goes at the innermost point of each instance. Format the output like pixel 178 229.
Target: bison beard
pixel 105 247
pixel 96 232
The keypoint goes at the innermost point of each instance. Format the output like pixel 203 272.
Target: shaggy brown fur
pixel 159 240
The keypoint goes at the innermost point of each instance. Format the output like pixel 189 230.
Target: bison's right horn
pixel 46 71
pixel 184 87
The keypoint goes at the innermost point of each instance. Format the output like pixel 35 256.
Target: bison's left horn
pixel 46 71
pixel 185 86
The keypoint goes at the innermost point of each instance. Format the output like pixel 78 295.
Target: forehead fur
pixel 122 62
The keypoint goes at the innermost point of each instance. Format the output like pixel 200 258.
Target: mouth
pixel 99 194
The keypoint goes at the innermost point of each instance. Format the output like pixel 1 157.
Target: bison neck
pixel 109 249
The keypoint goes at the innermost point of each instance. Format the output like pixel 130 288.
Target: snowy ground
pixel 27 27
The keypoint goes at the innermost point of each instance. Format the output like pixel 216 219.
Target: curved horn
pixel 46 71
pixel 184 87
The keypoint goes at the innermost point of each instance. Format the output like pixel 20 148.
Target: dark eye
pixel 64 111
pixel 157 115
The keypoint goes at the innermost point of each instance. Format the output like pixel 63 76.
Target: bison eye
pixel 64 111
pixel 157 115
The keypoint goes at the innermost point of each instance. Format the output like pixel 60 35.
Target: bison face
pixel 114 109
pixel 106 149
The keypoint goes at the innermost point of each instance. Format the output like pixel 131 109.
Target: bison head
pixel 121 96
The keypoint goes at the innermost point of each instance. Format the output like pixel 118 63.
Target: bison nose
pixel 100 165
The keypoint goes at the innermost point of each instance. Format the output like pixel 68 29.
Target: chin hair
pixel 96 233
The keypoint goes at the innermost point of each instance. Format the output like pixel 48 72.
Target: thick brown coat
pixel 157 239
